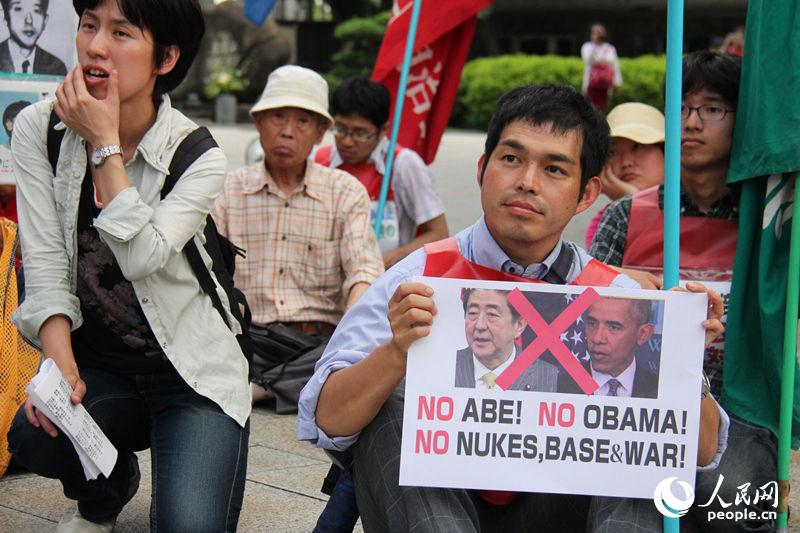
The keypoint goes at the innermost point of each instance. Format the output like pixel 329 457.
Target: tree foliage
pixel 361 39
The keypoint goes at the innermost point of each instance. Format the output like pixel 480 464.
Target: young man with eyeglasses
pixel 414 213
pixel 311 251
pixel 631 234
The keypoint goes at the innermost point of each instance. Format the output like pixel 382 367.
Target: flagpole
pixel 398 113
pixel 672 145
pixel 789 362
pixel 672 160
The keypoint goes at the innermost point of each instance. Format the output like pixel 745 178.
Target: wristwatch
pixel 100 154
pixel 706 390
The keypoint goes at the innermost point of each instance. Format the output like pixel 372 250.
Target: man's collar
pixel 376 158
pixel 18 55
pixel 481 370
pixel 313 183
pixel 625 378
pixel 488 253
pixel 727 204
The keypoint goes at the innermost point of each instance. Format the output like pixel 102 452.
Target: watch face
pixel 97 157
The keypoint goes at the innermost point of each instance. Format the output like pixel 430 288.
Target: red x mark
pixel 547 338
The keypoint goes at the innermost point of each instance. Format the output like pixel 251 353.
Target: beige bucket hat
pixel 294 86
pixel 638 122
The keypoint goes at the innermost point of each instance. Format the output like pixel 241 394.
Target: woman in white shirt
pixel 601 73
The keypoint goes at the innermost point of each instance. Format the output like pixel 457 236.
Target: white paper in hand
pixel 50 393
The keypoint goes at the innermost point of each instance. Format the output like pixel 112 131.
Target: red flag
pixel 444 36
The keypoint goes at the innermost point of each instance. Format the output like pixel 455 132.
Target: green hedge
pixel 484 80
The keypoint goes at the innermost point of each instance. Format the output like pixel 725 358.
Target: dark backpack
pixel 222 251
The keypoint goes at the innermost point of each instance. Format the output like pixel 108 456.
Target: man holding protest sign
pixel 545 147
pixel 615 329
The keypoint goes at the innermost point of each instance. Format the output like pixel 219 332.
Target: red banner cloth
pixel 441 46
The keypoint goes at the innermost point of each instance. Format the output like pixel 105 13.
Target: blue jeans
pixel 341 513
pixel 198 453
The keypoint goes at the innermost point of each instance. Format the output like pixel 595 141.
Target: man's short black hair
pixel 360 96
pixel 467 292
pixel 712 71
pixel 44 4
pixel 11 112
pixel 563 109
pixel 642 311
pixel 171 22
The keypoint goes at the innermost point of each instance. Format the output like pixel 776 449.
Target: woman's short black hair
pixel 360 96
pixel 172 23
pixel 712 71
pixel 561 108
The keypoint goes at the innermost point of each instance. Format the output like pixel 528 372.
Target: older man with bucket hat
pixel 311 251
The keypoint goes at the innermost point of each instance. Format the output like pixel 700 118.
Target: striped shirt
pixel 305 250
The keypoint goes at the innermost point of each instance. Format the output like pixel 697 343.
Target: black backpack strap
pixel 204 277
pixel 558 272
pixel 189 150
pixel 54 138
pixel 191 147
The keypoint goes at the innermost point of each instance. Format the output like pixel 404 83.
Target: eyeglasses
pixel 279 118
pixel 340 132
pixel 712 113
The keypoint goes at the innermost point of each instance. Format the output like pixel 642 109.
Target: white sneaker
pixel 75 523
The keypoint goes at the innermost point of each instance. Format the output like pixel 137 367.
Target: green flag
pixel 765 159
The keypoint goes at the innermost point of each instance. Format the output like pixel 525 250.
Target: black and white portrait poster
pixel 37 37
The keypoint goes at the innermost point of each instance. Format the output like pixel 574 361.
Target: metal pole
pixel 672 161
pixel 789 362
pixel 398 113
pixel 672 146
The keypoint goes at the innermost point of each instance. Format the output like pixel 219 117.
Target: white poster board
pixel 533 440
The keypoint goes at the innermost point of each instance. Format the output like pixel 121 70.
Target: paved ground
pixel 284 476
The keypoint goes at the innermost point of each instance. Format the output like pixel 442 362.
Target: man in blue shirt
pixel 545 147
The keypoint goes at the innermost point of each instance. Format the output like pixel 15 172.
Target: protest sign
pixel 502 395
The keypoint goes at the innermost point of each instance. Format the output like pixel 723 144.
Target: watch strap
pixel 102 153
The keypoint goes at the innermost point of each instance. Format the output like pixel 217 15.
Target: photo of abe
pixel 26 20
pixel 492 327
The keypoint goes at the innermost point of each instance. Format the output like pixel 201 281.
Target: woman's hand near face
pixel 613 187
pixel 96 121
